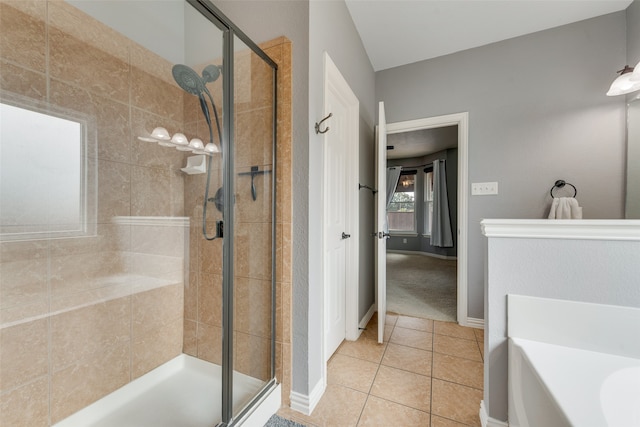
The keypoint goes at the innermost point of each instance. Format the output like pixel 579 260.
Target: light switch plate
pixel 484 188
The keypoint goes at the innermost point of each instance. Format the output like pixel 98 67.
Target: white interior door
pixel 381 218
pixel 335 225
pixel 340 210
pixel 339 174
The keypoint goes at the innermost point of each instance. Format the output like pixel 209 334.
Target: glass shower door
pixel 254 224
pixel 199 75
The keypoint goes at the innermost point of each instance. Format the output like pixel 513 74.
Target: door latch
pixel 383 235
pixel 345 235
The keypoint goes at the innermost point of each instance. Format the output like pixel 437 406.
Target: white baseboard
pixel 307 403
pixel 365 320
pixel 475 323
pixel 487 421
pixel 397 251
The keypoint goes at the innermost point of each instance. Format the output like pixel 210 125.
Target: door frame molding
pixel 333 78
pixel 462 121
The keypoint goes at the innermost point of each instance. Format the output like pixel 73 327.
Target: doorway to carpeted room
pixel 421 286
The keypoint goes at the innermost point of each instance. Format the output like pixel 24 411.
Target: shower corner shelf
pixel 195 165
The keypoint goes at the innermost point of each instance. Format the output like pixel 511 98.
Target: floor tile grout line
pixel 404 405
pixel 366 400
pixel 480 351
pixel 375 375
pixel 406 370
pixel 459 357
pixel 397 403
pixel 455 421
pixel 432 372
pixel 453 382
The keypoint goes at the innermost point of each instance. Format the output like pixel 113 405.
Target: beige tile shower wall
pixel 254 220
pixel 80 317
pixel 280 51
pixel 203 309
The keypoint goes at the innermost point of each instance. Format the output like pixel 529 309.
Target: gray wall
pixel 537 113
pixel 331 30
pixel 421 243
pixel 633 33
pixel 603 272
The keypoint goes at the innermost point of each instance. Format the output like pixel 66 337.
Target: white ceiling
pixel 399 32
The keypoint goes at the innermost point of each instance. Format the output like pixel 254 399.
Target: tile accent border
pixel 167 221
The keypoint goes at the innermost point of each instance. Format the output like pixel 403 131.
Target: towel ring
pixel 561 183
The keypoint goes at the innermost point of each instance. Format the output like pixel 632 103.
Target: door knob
pixel 345 235
pixel 383 235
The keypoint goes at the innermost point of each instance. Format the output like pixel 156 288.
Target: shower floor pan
pixel 184 392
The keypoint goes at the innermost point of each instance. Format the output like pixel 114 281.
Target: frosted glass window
pixel 42 175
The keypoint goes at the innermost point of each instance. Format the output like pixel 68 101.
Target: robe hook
pixel 320 122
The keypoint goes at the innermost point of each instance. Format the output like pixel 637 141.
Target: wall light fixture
pixel 628 81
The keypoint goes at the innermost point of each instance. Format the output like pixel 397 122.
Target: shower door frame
pixel 229 29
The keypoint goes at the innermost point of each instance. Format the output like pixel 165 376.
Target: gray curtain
pixel 441 234
pixel 393 175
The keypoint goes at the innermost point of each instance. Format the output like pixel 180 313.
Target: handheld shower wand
pixel 192 83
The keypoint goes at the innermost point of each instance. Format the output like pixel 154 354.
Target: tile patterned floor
pixel 426 374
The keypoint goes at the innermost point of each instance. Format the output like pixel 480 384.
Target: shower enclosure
pixel 137 216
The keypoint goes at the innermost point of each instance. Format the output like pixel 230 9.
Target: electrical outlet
pixel 404 240
pixel 484 188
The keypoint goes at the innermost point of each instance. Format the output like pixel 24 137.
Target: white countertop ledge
pixel 580 229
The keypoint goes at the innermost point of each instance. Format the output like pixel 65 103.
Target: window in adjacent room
pixel 401 214
pixel 428 201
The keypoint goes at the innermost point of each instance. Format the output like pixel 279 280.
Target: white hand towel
pixel 565 208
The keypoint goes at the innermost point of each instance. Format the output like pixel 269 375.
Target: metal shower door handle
pixel 345 235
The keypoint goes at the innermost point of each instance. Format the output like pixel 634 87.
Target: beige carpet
pixel 421 286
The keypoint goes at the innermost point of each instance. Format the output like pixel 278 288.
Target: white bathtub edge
pixel 553 372
pixel 124 394
pixel 589 326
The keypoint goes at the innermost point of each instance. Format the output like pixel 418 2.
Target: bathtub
pixel 184 392
pixel 572 363
pixel 555 386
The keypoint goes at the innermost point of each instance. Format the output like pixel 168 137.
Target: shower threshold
pixel 184 392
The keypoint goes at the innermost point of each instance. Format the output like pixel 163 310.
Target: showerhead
pixel 188 79
pixel 210 73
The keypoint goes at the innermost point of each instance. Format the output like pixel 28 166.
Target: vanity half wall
pixel 595 261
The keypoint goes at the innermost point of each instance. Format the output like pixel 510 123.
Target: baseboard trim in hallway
pixel 472 322
pixel 365 320
pixel 306 404
pixel 398 251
